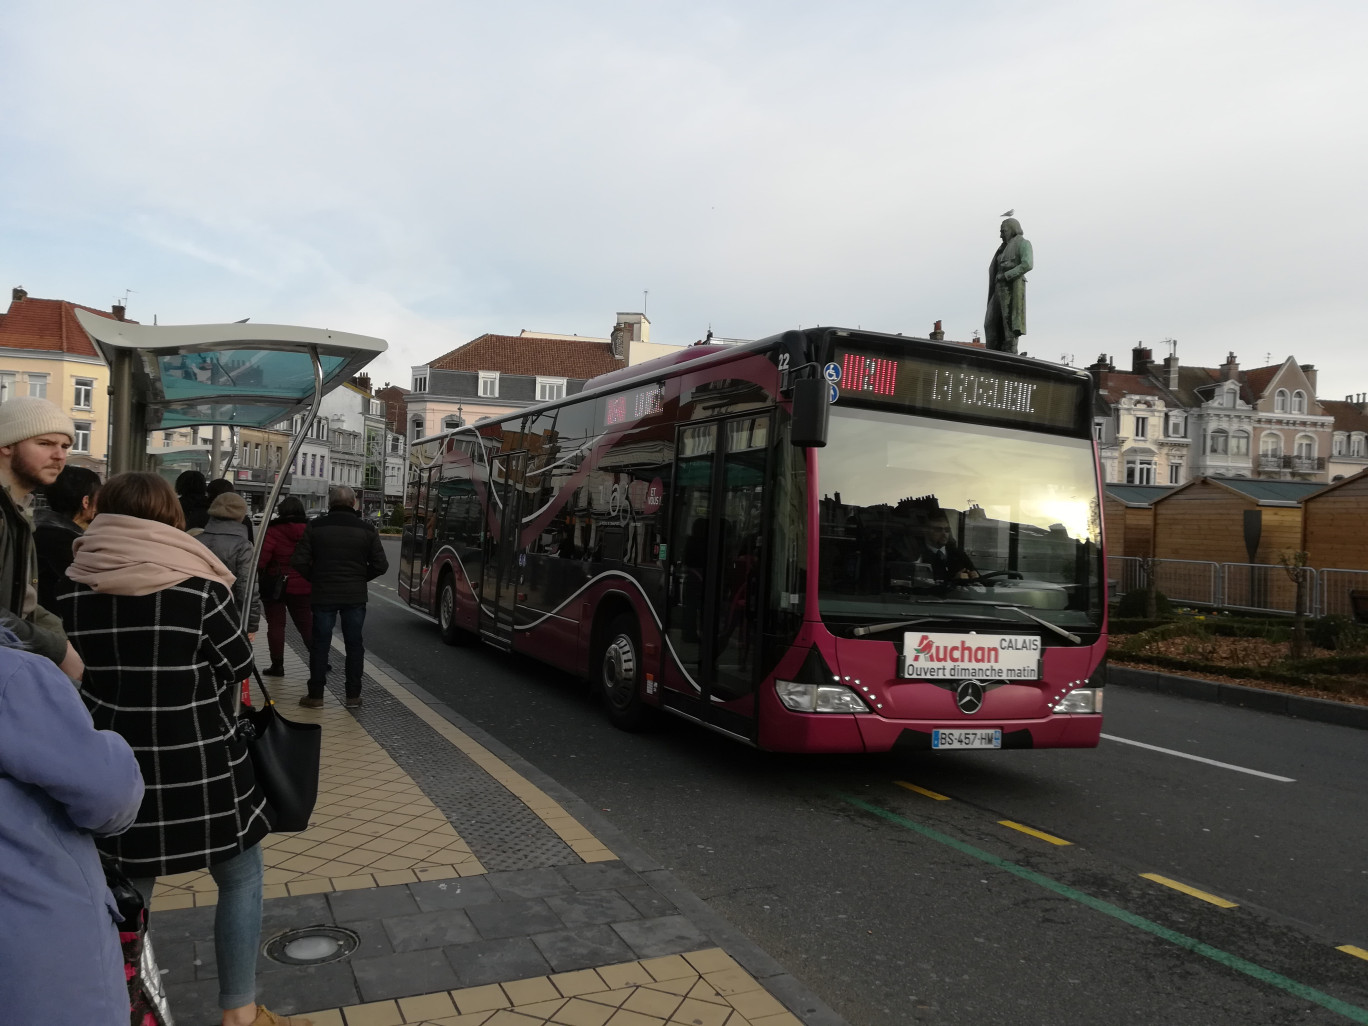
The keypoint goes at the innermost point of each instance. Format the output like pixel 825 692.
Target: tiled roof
pixel 1115 384
pixel 509 354
pixel 48 325
pixel 1258 380
pixel 1348 416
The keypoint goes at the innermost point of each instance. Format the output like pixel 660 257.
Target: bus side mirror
pixel 810 412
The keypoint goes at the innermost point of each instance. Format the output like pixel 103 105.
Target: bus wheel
pixel 619 675
pixel 446 611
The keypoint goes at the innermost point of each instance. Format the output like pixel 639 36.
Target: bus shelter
pixel 167 377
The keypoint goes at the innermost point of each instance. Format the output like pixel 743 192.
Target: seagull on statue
pixel 1008 213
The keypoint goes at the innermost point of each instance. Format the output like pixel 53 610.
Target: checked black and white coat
pixel 164 670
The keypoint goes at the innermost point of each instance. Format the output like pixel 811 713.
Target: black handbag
pixel 273 587
pixel 285 757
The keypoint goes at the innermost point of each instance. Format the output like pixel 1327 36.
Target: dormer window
pixel 420 380
pixel 1280 401
pixel 489 384
pixel 549 389
pixel 1299 402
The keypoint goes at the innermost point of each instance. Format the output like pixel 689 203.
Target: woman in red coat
pixel 282 536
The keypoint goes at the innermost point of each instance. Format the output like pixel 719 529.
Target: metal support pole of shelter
pixel 287 462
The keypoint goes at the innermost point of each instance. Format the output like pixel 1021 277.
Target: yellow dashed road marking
pixel 1034 832
pixel 1193 891
pixel 922 790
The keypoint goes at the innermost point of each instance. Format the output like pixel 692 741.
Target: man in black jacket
pixel 338 553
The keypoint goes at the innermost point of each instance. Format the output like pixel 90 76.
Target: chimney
pixel 1171 368
pixel 1230 370
pixel 363 382
pixel 937 335
pixel 1141 358
pixel 630 327
pixel 18 294
pixel 118 309
pixel 1309 369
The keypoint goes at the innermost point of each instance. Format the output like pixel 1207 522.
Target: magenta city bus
pixel 825 541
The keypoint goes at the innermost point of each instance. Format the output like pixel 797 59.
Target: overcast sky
pixel 429 171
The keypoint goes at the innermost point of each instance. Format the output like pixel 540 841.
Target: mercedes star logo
pixel 969 696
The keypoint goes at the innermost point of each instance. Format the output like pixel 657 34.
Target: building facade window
pixel 322 466
pixel 1177 425
pixel 1141 427
pixel 1175 473
pixel 451 423
pixel 1239 443
pixel 489 384
pixel 1305 447
pixel 1270 444
pixel 1280 401
pixel 1298 401
pixel 417 428
pixel 83 393
pixel 1356 445
pixel 37 386
pixel 550 389
pixel 1337 446
pixel 1220 441
pixel 81 443
pixel 1098 427
pixel 8 382
pixel 1140 472
pixel 420 381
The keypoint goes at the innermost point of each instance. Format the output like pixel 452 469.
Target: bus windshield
pixel 923 518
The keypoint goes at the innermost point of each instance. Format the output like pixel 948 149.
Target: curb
pixel 795 995
pixel 1320 710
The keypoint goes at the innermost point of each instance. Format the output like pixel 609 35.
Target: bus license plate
pixel 966 739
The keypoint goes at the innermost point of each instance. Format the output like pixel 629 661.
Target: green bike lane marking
pixel 1225 958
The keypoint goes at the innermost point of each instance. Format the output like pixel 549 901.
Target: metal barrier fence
pixel 1249 587
pixel 1336 591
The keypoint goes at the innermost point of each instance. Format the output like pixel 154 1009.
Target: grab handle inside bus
pixel 810 412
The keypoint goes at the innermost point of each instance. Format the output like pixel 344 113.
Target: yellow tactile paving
pixel 372 826
pixel 702 988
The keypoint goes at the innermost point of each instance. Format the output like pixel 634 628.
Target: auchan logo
pixel 960 652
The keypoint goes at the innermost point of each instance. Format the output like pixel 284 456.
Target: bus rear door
pixel 503 556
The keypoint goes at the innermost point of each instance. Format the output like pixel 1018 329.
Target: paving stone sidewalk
pixel 477 890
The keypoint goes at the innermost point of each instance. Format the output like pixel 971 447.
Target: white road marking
pixel 1198 758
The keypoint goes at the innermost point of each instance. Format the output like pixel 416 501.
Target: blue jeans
pixel 237 923
pixel 324 619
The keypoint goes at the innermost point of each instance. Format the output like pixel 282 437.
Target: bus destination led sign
pixel 938 386
pixel 632 406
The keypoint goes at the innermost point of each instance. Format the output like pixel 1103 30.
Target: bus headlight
pixel 1081 700
pixel 822 698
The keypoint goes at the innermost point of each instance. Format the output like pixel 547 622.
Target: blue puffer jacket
pixel 62 782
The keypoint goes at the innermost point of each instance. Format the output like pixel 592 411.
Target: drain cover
pixel 313 945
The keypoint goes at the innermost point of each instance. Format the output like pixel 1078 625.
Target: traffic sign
pixel 832 372
pixel 833 393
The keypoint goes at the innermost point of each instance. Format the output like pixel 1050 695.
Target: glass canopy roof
pixel 239 375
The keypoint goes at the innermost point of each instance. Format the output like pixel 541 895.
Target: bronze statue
pixel 1005 319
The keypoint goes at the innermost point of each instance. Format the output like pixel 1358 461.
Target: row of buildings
pixel 1157 423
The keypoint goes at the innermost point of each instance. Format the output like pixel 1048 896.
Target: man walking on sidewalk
pixel 338 553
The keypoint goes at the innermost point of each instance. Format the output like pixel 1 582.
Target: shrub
pixel 1133 604
pixel 1339 633
pixel 397 516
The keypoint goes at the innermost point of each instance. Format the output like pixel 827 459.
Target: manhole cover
pixel 313 945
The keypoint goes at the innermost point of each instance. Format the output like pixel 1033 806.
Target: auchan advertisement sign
pixel 981 656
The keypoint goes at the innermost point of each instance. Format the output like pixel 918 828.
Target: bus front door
pixel 499 591
pixel 716 538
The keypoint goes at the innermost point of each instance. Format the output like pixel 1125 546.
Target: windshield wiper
pixel 1045 623
pixel 875 628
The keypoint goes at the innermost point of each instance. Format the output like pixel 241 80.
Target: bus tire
pixel 446 611
pixel 618 671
